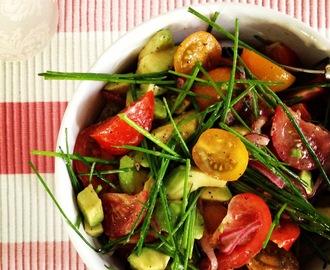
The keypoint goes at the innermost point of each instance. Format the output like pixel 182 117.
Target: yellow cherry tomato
pixel 201 47
pixel 220 154
pixel 266 70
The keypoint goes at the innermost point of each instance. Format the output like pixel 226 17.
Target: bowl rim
pixel 189 22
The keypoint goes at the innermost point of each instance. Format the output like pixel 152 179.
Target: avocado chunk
pixel 94 231
pixel 149 259
pixel 157 61
pixel 221 194
pixel 187 124
pixel 175 181
pixel 90 206
pixel 174 209
pixel 132 180
pixel 162 40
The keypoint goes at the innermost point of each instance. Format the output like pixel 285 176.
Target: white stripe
pixel 27 212
pixel 70 52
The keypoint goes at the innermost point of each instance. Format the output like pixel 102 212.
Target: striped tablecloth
pixel 32 235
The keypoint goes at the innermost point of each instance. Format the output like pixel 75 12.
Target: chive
pixel 147 134
pixel 73 227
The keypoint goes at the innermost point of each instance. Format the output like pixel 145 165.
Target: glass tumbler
pixel 26 27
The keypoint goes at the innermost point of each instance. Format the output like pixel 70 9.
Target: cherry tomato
pixel 220 74
pixel 267 71
pixel 201 47
pixel 285 234
pixel 220 154
pixel 86 146
pixel 213 213
pixel 243 231
pixel 289 145
pixel 282 54
pixel 274 258
pixel 116 132
pixel 121 212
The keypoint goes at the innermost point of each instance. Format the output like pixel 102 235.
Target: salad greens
pixel 179 241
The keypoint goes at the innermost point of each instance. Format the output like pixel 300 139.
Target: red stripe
pixel 123 15
pixel 27 126
pixel 39 255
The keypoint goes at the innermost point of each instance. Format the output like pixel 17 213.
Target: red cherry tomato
pixel 285 234
pixel 86 146
pixel 282 54
pixel 242 231
pixel 115 132
pixel 289 145
pixel 121 212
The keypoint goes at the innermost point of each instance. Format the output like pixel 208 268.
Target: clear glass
pixel 26 27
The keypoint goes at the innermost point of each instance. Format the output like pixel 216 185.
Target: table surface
pixel 32 235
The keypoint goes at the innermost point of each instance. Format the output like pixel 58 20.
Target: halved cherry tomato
pixel 242 231
pixel 201 47
pixel 86 146
pixel 274 258
pixel 285 234
pixel 267 71
pixel 116 132
pixel 121 212
pixel 282 54
pixel 220 154
pixel 220 74
pixel 289 145
pixel 213 213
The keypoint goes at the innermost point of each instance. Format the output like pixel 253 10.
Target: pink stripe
pixel 123 15
pixel 27 126
pixel 40 255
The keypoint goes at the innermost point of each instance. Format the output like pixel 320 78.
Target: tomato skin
pixel 220 154
pixel 114 131
pixel 121 211
pixel 286 139
pixel 86 146
pixel 243 209
pixel 282 54
pixel 285 234
pixel 267 71
pixel 200 46
pixel 220 74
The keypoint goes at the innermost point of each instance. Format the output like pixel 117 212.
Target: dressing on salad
pixel 208 157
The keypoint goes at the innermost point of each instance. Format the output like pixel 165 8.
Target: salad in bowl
pixel 200 142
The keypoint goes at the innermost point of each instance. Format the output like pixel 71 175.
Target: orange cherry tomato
pixel 201 47
pixel 266 70
pixel 220 154
pixel 220 74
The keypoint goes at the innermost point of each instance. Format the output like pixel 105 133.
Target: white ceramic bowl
pixel 81 110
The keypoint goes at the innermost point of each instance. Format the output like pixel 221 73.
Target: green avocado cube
pixel 148 259
pixel 94 231
pixel 90 206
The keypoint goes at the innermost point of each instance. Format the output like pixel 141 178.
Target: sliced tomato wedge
pixel 282 54
pixel 289 145
pixel 242 231
pixel 285 234
pixel 121 212
pixel 88 147
pixel 115 132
